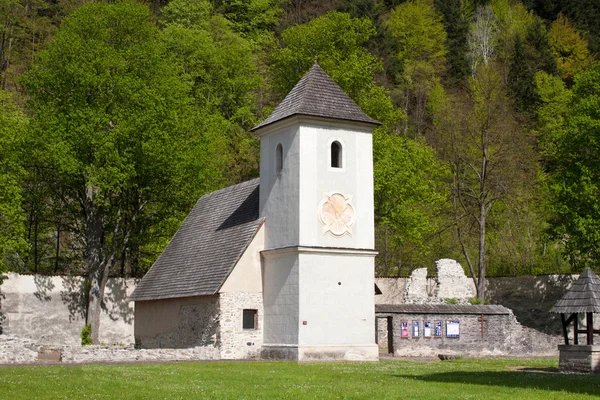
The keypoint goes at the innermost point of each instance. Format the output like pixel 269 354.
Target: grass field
pixel 457 379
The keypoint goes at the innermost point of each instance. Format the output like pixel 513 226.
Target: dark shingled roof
pixel 209 243
pixel 316 94
pixel 441 309
pixel 583 297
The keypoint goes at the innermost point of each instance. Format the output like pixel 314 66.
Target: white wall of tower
pixel 317 177
pixel 279 190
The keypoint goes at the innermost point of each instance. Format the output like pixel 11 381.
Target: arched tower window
pixel 279 158
pixel 336 155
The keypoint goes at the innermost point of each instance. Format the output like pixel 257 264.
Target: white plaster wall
pixel 337 299
pixel 237 342
pixel 247 276
pixel 279 191
pixel 355 179
pixel 51 309
pixel 280 283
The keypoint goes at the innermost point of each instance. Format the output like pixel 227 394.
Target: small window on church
pixel 336 155
pixel 279 159
pixel 250 319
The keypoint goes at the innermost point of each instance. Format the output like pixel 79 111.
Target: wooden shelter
pixel 584 297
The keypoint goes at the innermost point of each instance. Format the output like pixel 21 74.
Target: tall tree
pixel 418 35
pixel 337 41
pixel 490 157
pixel 457 28
pixel 483 35
pixel 410 192
pixel 572 154
pixel 532 54
pixel 569 48
pixel 112 128
pixel 222 66
pixel 513 20
pixel 12 137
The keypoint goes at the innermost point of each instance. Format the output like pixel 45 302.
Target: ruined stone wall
pixel 530 297
pixel 502 336
pixel 236 342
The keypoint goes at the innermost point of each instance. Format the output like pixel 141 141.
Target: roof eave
pixel 367 124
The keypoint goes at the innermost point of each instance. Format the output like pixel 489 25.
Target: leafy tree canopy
pixel 12 137
pixel 569 48
pixel 575 172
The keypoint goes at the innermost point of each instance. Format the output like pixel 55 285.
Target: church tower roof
pixel 316 94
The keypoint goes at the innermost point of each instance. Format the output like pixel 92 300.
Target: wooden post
pixel 565 324
pixel 590 329
pixel 575 330
pixel 483 319
pixel 390 334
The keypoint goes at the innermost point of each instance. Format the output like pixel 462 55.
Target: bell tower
pixel 316 194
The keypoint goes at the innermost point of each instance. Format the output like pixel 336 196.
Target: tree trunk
pixel 481 261
pixel 93 231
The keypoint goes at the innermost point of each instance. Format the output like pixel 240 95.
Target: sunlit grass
pixel 458 379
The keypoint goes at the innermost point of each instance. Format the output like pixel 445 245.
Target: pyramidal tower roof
pixel 316 94
pixel 583 297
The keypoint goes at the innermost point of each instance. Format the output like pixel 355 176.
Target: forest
pixel 115 117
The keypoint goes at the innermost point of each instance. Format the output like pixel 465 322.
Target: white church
pixel 280 267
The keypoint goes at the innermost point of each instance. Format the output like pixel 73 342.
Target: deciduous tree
pixel 418 36
pixel 114 134
pixel 569 48
pixel 490 157
pixel 12 138
pixel 575 168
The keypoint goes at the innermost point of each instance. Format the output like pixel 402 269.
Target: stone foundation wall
pixel 582 359
pixel 502 336
pixel 236 342
pixel 26 351
pixel 14 350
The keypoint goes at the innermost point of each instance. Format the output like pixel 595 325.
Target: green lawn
pixel 458 379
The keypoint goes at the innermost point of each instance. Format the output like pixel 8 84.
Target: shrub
pixel 86 335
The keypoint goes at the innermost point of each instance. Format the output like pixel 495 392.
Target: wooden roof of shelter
pixel 316 94
pixel 488 309
pixel 583 297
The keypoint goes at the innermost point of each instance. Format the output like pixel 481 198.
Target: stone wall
pixel 51 309
pixel 177 323
pixel 236 342
pixel 502 336
pixel 26 351
pixel 529 297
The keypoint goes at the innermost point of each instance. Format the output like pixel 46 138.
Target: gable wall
pixel 246 275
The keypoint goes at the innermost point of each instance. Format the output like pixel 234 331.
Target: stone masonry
pixel 236 342
pixel 451 283
pixel 502 336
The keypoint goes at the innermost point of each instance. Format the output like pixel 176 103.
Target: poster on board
pixel 452 329
pixel 427 328
pixel 404 330
pixel 416 329
pixel 437 331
